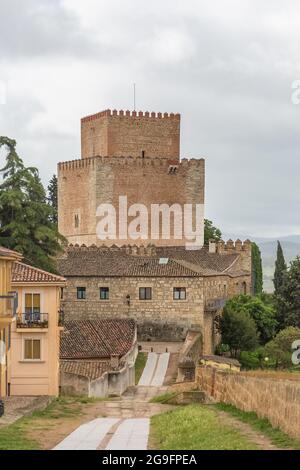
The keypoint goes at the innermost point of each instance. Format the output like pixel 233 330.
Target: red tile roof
pixel 24 273
pixel 96 339
pixel 91 369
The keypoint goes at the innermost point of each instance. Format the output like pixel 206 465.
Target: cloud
pixel 227 67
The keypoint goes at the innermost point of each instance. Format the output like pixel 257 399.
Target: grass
pixel 16 436
pixel 276 436
pixel 163 397
pixel 195 427
pixel 140 365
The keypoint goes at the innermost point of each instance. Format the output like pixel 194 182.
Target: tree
pixel 25 217
pixel 257 272
pixel 279 350
pixel 280 269
pixel 238 330
pixel 53 198
pixel 288 297
pixel 262 313
pixel 211 232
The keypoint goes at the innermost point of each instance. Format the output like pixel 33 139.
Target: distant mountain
pixel 268 247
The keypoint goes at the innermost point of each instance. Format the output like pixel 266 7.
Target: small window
pixel 32 303
pixel 145 293
pixel 76 220
pixel 179 293
pixel 104 293
pixel 32 349
pixel 81 293
pixel 61 293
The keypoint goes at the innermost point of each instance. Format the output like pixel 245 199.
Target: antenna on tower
pixel 134 97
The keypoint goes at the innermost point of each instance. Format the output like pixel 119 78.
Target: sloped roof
pixel 90 369
pixel 5 252
pixel 105 262
pixel 24 273
pixel 96 339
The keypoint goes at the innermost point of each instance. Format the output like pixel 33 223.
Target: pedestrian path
pixel 128 426
pixel 155 370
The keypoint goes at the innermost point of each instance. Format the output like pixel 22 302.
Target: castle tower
pixel 123 134
pixel 130 154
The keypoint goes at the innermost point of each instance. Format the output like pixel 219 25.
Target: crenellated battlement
pixel 132 114
pixel 230 246
pixel 88 163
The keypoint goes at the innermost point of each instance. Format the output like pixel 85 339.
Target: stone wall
pixel 276 400
pixel 85 184
pixel 161 318
pixel 129 134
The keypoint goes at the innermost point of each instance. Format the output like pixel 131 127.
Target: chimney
pixel 114 361
pixel 212 246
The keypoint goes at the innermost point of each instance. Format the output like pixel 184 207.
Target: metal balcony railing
pixel 32 320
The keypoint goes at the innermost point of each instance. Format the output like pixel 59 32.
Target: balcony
pixel 32 320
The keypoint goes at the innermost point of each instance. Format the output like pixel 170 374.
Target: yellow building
pixel 35 336
pixel 8 303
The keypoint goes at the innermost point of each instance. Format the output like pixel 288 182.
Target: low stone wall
pixel 276 400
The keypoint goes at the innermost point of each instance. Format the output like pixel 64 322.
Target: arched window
pixel 76 220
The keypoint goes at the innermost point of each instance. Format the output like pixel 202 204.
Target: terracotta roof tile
pixel 105 262
pixel 24 273
pixel 90 369
pixel 87 339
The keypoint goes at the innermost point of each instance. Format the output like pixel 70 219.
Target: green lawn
pixel 140 365
pixel 195 427
pixel 16 436
pixel 276 436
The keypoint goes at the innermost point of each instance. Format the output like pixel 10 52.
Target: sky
pixel 227 66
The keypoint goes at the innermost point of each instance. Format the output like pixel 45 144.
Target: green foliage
pixel 164 397
pixel 53 198
pixel 211 232
pixel 262 313
pixel 262 425
pixel 26 220
pixel 238 330
pixel 280 269
pixel 279 350
pixel 257 271
pixel 252 359
pixel 195 427
pixel 288 297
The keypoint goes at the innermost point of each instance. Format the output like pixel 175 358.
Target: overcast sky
pixel 226 66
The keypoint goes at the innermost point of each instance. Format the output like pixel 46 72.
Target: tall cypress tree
pixel 257 271
pixel 280 269
pixel 53 198
pixel 25 217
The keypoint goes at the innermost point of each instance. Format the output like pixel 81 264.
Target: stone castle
pixel 126 154
pixel 167 289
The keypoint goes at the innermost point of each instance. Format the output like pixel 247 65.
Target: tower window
pixel 76 220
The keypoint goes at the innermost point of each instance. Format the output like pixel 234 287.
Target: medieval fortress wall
pixel 119 133
pixel 137 156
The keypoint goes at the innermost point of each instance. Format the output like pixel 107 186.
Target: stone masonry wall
pixel 87 183
pixel 161 318
pixel 122 134
pixel 276 400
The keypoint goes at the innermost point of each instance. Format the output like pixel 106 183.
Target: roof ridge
pixel 61 278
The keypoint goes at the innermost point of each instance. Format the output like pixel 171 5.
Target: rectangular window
pixel 179 293
pixel 145 293
pixel 32 303
pixel 104 293
pixel 81 293
pixel 32 349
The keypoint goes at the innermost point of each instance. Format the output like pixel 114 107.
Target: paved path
pixel 127 424
pixel 155 370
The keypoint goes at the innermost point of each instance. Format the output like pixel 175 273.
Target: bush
pixel 279 350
